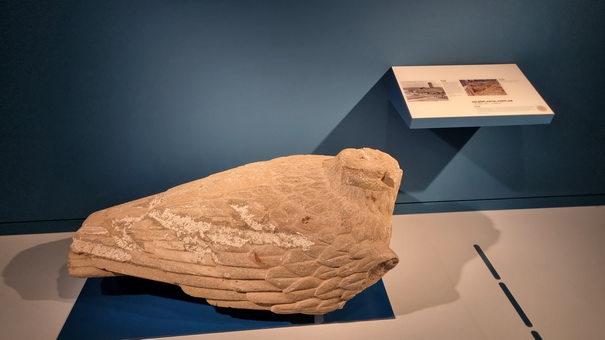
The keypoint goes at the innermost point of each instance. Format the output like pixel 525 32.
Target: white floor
pixel 552 261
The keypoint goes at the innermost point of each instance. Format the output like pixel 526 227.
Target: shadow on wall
pixel 29 268
pixel 375 123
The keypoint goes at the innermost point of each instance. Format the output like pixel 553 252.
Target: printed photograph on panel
pixel 483 87
pixel 423 91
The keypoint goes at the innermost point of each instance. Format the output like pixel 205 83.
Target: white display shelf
pixel 466 96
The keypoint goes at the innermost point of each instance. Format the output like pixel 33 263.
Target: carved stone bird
pixel 297 234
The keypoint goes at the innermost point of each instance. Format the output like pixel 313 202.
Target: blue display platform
pixel 128 307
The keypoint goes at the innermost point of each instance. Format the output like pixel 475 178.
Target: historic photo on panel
pixel 423 91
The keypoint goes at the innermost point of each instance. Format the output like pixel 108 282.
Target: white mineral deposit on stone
pixel 298 234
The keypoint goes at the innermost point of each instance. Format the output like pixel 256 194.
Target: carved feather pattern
pixel 298 234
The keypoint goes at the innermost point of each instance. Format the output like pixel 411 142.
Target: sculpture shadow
pixel 433 257
pixel 374 122
pixel 27 270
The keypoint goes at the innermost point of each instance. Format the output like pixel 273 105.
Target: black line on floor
pixel 507 292
pixel 515 304
pixel 487 262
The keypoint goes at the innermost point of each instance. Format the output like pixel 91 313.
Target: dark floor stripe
pixel 487 262
pixel 516 305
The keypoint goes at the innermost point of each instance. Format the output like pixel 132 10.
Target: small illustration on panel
pixel 483 87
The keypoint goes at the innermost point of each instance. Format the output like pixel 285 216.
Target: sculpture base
pixel 128 307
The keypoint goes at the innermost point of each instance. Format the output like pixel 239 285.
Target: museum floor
pixel 459 277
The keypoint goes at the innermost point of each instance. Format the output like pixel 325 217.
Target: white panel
pixel 467 95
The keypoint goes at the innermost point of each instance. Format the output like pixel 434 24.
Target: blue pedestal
pixel 128 307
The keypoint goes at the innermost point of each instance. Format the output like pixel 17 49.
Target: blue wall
pixel 106 101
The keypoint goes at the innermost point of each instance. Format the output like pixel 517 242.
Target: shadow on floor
pixel 434 253
pixel 41 263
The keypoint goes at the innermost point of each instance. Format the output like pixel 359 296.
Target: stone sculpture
pixel 297 234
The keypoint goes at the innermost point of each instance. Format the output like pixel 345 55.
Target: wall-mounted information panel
pixel 466 95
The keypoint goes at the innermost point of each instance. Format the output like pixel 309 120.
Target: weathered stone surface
pixel 297 234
